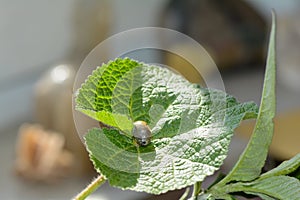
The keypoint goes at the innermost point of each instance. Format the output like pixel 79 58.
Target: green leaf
pixel 262 196
pixel 95 95
pixel 274 187
pixel 253 158
pixel 277 187
pixel 284 168
pixel 191 126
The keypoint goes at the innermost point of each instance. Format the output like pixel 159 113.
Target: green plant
pixel 191 131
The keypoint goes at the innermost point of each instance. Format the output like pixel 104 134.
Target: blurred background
pixel 42 44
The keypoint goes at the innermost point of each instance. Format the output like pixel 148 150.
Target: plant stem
pixel 196 190
pixel 185 194
pixel 94 185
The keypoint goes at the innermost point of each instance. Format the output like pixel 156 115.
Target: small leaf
pixel 191 126
pixel 284 168
pixel 278 187
pixel 253 158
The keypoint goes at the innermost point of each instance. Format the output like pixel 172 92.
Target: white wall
pixel 33 34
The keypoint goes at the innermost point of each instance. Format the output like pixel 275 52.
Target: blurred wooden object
pixel 41 155
pixel 53 108
pixel 286 140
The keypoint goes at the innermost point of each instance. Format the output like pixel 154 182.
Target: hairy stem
pixel 185 194
pixel 94 185
pixel 196 190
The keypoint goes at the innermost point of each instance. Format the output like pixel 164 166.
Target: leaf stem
pixel 94 185
pixel 185 194
pixel 196 190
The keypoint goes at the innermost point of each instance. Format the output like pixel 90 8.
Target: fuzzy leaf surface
pixel 191 126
